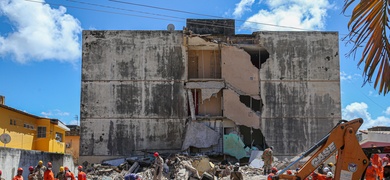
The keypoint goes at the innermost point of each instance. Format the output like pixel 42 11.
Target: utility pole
pixel 77 120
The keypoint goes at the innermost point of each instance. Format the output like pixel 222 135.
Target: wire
pixel 219 17
pixel 198 23
pixel 175 17
pixel 101 10
pixel 373 101
pixel 111 7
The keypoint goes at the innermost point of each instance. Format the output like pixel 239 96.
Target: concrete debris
pixel 179 167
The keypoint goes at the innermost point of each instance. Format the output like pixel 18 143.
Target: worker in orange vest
pixel 377 164
pixel 68 174
pixel 274 170
pixel 81 175
pixel 48 175
pixel 371 173
pixel 19 175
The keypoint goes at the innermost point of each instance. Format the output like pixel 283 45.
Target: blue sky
pixel 40 45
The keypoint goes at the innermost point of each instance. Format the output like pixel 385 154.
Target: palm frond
pixel 368 28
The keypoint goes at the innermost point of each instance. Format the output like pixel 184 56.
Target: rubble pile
pixel 175 167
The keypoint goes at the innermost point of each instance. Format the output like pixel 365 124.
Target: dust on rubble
pixel 176 166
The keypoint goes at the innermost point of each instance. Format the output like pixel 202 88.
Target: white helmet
pixel 329 174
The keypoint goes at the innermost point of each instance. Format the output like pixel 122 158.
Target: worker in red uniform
pixel 371 173
pixel 81 175
pixel 19 175
pixel 274 170
pixel 70 174
pixel 48 175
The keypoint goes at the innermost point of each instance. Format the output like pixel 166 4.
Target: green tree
pixel 368 28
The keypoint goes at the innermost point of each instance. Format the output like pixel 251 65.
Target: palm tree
pixel 368 27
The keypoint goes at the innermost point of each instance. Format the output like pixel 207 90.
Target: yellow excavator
pixel 352 160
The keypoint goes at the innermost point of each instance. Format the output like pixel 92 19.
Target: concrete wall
pixel 300 88
pixel 11 159
pixel 132 97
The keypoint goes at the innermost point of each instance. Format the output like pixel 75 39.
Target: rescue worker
pixel 132 176
pixel 289 172
pixel 81 175
pixel 19 175
pixel 328 168
pixel 377 164
pixel 371 173
pixel 40 170
pixel 71 175
pixel 158 166
pixel 268 159
pixel 318 176
pixel 0 175
pixel 48 175
pixel 32 175
pixel 68 175
pixel 236 175
pixel 321 168
pixel 274 170
pixel 61 175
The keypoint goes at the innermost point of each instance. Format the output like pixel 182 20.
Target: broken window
pixel 252 137
pixel 204 64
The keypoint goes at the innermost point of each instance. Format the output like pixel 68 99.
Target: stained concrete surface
pixel 12 159
pixel 133 97
pixel 300 88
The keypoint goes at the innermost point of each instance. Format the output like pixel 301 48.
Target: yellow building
pixel 30 132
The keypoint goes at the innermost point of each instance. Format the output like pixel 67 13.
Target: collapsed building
pixel 200 88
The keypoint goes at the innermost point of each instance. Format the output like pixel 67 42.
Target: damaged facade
pixel 169 91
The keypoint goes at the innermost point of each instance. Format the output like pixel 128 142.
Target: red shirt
pixel 82 176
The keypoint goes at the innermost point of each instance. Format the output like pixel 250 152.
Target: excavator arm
pixel 352 161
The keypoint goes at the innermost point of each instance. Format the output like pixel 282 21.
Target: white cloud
pixel 54 113
pixel 39 32
pixel 344 76
pixel 348 77
pixel 241 7
pixel 302 14
pixel 360 110
pixel 387 112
